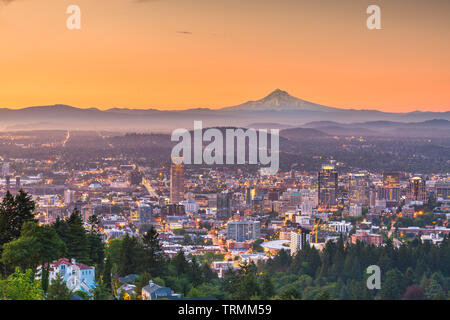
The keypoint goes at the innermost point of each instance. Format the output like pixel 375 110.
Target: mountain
pixel 278 108
pixel 279 100
pixel 430 128
pixel 299 134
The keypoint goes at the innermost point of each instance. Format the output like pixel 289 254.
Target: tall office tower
pixel 8 182
pixel 358 189
pixel 391 188
pixel 69 196
pixel 327 187
pixel 145 212
pixel 250 194
pixel 176 182
pixel 243 230
pixel 18 185
pixel 442 191
pixel 299 240
pixel 224 203
pixel 416 190
pixel 258 204
pixel 5 169
pixel 135 177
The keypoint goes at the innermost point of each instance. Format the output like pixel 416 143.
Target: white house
pixel 77 276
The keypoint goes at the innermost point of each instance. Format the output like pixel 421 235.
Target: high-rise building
pixel 5 169
pixel 298 241
pixel 69 196
pixel 258 204
pixel 442 191
pixel 145 213
pixel 243 230
pixel 224 203
pixel 172 209
pixel 8 182
pixel 135 177
pixel 327 187
pixel 176 182
pixel 18 184
pixel 391 188
pixel 416 190
pixel 358 189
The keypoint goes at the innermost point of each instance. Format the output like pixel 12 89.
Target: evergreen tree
pixel 58 290
pixel 267 287
pixel 77 242
pixel 14 212
pixel 131 257
pixel 101 292
pixel 38 245
pixel 153 250
pixel 107 273
pixel 393 286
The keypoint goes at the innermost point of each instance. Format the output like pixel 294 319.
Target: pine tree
pixel 267 287
pixel 77 242
pixel 58 290
pixel 107 273
pixel 14 211
pixel 153 251
pixel 101 292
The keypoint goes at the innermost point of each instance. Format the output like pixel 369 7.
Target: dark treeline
pixel 412 271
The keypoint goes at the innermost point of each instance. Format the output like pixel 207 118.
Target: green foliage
pixel 86 247
pixel 58 290
pixel 21 286
pixel 14 211
pixel 132 257
pixel 36 245
pixel 77 241
pixel 102 292
pixel 107 273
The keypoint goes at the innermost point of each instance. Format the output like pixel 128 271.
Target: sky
pixel 177 54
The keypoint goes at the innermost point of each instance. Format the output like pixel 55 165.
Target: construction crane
pixel 316 226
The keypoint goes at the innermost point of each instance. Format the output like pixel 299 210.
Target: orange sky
pixel 215 53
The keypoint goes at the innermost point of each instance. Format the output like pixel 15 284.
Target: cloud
pixel 143 1
pixel 184 32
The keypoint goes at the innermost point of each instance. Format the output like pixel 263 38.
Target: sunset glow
pixel 176 54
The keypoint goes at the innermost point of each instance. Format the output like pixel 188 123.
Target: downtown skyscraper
pixel 327 187
pixel 176 182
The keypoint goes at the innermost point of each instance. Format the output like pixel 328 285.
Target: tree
pixel 413 293
pixel 21 286
pixel 94 222
pixel 101 292
pixel 77 242
pixel 58 290
pixel 131 257
pixel 14 211
pixel 245 285
pixel 96 250
pixel 107 273
pixel 290 294
pixel 180 263
pixel 154 252
pixel 194 293
pixel 393 285
pixel 38 245
pixel 267 287
pixel 324 295
pixel 142 281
